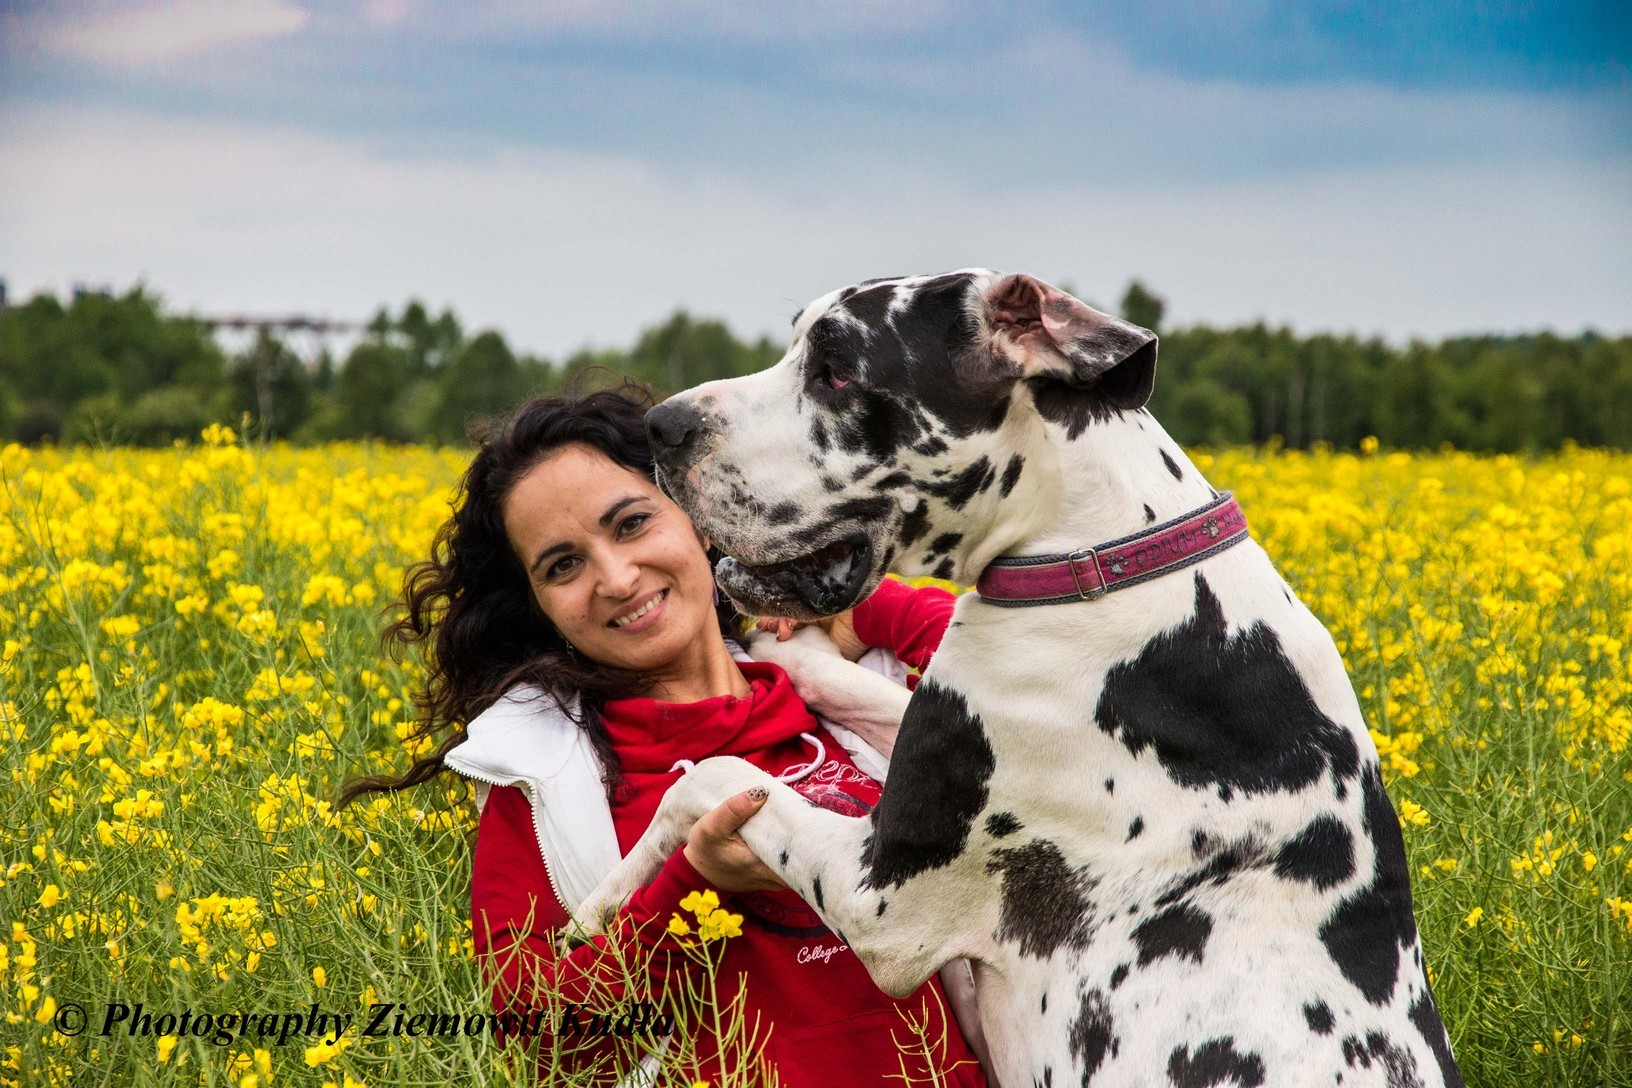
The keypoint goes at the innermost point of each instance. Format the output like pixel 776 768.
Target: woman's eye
pixel 563 566
pixel 632 523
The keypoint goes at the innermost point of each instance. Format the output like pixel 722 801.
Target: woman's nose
pixel 619 577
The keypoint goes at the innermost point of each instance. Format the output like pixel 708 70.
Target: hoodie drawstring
pixel 686 766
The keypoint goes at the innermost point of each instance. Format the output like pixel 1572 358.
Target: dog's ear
pixel 1046 333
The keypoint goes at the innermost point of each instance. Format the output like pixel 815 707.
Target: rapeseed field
pixel 191 666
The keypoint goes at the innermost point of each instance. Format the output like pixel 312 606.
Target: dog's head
pixel 910 426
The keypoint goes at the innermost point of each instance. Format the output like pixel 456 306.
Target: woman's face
pixel 616 566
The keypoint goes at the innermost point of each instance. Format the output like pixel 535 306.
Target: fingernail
pixel 757 794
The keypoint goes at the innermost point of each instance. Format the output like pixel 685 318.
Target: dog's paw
pixel 807 649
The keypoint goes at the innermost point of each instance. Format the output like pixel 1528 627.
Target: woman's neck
pixel 706 670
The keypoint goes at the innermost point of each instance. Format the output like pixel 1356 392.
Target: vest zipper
pixel 538 831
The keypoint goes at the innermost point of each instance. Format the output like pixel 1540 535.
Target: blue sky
pixel 569 172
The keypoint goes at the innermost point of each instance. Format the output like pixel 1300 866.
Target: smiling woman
pixel 620 571
pixel 568 598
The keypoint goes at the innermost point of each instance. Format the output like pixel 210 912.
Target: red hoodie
pixel 828 1023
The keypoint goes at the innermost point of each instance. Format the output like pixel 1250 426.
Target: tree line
pixel 120 369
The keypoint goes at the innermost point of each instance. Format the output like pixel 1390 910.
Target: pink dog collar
pixel 1089 573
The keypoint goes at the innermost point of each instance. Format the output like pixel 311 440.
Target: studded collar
pixel 1089 573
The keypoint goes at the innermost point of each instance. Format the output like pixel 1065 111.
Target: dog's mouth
pixel 806 587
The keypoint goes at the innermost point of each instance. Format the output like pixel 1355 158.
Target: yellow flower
pixel 1589 860
pixel 50 896
pixel 325 1052
pixel 1414 814
pixel 720 924
pixel 679 926
pixel 320 977
pixel 1473 916
pixel 167 1043
pixel 702 903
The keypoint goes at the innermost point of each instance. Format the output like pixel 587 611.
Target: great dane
pixel 1147 810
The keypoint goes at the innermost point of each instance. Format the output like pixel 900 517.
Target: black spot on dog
pixel 1119 976
pixel 816 892
pixel 1366 933
pixel 1046 903
pixel 999 824
pixel 783 857
pixel 818 435
pixel 1043 1005
pixel 1090 1034
pixel 1321 854
pixel 1172 466
pixel 944 543
pixel 1223 861
pixel 1425 1017
pixel 944 569
pixel 1180 931
pixel 1225 793
pixel 1399 1064
pixel 782 512
pixel 1214 1062
pixel 892 480
pixel 870 305
pixel 1150 515
pixel 1110 785
pixel 1319 1016
pixel 1136 828
pixel 873 508
pixel 963 485
pixel 914 524
pixel 922 821
pixel 882 903
pixel 1221 709
pixel 1011 475
pixel 933 446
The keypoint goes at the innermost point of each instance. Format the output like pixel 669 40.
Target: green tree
pixel 483 380
pixel 1142 307
pixel 271 383
pixel 373 377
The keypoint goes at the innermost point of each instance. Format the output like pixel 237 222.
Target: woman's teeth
pixel 625 621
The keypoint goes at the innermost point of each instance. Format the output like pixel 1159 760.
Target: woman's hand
pixel 841 628
pixel 720 856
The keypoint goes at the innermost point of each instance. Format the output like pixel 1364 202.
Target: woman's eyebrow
pixel 617 508
pixel 606 519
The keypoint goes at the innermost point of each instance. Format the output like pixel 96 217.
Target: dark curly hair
pixel 471 603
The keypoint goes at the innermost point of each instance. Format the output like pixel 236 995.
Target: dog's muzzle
pixel 819 583
pixel 675 430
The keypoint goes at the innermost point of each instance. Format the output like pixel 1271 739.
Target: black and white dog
pixel 1152 818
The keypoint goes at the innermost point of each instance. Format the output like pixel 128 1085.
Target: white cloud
pixel 158 33
pixel 559 249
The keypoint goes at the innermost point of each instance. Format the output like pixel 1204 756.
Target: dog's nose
pixel 673 428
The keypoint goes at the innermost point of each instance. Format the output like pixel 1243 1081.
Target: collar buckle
pixel 1093 593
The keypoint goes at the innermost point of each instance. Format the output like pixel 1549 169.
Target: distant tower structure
pixel 306 336
pixel 2 292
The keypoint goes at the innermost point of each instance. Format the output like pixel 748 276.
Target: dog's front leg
pixel 815 852
pixel 687 801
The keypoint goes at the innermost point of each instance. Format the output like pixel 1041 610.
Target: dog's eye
pixel 831 376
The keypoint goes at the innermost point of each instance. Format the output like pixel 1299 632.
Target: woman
pixel 569 600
